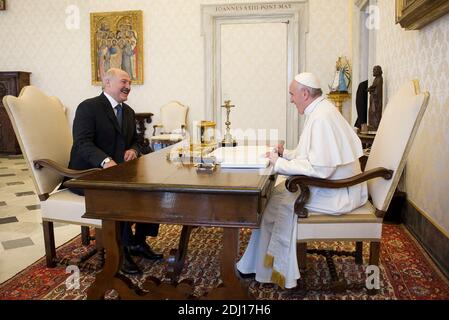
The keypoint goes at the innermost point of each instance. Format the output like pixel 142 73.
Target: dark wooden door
pixel 10 84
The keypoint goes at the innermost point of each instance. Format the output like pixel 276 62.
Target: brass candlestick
pixel 228 141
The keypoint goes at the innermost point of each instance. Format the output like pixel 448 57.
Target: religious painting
pixel 2 4
pixel 117 42
pixel 415 14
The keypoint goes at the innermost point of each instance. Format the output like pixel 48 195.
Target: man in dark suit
pixel 104 135
pixel 361 103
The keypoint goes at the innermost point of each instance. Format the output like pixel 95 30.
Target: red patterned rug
pixel 406 272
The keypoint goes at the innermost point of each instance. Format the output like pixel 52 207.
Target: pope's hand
pixel 273 157
pixel 280 148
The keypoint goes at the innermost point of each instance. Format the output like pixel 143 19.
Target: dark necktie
pixel 119 114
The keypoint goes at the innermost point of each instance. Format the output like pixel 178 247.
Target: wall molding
pixel 213 16
pixel 359 8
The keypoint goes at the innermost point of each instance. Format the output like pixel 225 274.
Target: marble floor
pixel 21 237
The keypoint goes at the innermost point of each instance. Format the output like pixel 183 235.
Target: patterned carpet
pixel 406 273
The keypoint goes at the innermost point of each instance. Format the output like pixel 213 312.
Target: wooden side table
pixel 367 141
pixel 144 143
pixel 11 83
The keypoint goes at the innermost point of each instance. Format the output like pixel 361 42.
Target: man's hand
pixel 273 157
pixel 111 163
pixel 130 154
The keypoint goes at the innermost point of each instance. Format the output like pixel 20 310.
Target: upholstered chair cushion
pixel 42 130
pixel 400 122
pixel 173 116
pixel 360 224
pixel 64 206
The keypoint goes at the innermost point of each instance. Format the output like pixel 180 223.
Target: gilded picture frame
pixel 2 4
pixel 415 14
pixel 116 41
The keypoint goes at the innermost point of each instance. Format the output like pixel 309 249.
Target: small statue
pixel 342 77
pixel 376 98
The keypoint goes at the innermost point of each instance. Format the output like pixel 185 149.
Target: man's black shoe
pixel 128 264
pixel 144 250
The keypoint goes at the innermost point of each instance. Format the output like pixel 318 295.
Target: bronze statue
pixel 376 98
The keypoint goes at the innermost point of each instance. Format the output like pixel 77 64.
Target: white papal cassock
pixel 328 148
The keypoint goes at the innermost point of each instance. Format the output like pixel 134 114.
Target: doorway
pixel 252 53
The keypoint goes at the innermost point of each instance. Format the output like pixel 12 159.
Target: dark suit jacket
pixel 97 135
pixel 361 103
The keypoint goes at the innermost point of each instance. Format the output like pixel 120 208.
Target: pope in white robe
pixel 328 148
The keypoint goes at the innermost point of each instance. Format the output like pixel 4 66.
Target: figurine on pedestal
pixel 375 99
pixel 342 77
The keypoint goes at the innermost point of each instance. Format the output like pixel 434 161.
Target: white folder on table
pixel 242 157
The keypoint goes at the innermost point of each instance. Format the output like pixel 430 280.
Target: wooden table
pixel 154 189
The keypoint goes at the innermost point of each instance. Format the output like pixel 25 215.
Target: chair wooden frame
pixel 302 183
pixel 48 228
pixel 47 174
pixel 164 142
pixel 387 160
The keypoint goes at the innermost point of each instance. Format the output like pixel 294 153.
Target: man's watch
pixel 107 160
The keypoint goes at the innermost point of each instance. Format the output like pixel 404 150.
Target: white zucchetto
pixel 308 79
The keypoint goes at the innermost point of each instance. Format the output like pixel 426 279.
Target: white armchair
pixel 173 124
pixel 45 138
pixel 394 138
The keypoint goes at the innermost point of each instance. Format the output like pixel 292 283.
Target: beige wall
pixel 34 38
pixel 423 55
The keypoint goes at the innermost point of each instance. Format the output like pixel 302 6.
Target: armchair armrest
pixel 155 127
pixel 39 164
pixel 293 183
pixel 183 129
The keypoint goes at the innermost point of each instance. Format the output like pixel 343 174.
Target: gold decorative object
pixel 196 150
pixel 338 98
pixel 206 132
pixel 228 140
pixel 415 14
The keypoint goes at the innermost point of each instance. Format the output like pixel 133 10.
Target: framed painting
pixel 116 41
pixel 415 14
pixel 2 4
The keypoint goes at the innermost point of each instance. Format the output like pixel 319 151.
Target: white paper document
pixel 242 156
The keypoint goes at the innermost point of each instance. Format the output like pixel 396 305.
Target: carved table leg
pixel 109 278
pixel 177 257
pixel 232 287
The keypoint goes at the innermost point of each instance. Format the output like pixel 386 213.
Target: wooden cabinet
pixel 10 84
